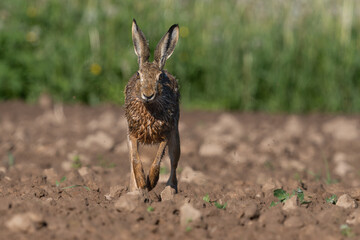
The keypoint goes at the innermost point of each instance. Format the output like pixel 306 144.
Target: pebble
pixel 342 129
pixel 128 202
pixel 290 204
pixel 26 222
pixel 189 175
pixel 251 211
pixel 98 140
pixel 211 150
pixel 51 175
pixel 167 194
pixel 294 222
pixel 188 214
pixel 115 192
pixel 345 201
pixel 354 218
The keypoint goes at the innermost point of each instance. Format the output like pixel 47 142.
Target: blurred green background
pixel 250 55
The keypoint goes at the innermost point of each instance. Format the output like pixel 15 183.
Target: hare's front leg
pixel 174 154
pixel 155 166
pixel 137 178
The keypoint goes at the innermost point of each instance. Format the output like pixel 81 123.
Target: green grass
pixel 283 196
pixel 206 198
pixel 274 56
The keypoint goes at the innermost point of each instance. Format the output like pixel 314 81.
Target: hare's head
pixel 150 72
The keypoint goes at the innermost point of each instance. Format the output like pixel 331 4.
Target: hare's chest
pixel 145 126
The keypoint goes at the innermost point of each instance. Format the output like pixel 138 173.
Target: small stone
pixel 51 175
pixel 128 202
pixel 188 214
pixel 115 192
pixel 342 129
pixel 66 165
pixel 345 201
pixel 290 204
pixel 98 140
pixel 26 222
pixel 189 175
pixel 293 126
pixel 294 222
pixel 342 168
pixel 83 171
pixel 211 150
pixel 268 186
pixel 251 211
pixel 354 218
pixel 167 194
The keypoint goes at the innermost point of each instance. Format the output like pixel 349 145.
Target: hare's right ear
pixel 141 46
pixel 166 46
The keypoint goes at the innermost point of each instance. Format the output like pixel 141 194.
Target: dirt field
pixel 64 173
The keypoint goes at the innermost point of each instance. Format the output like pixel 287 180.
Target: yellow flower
pixel 31 12
pixel 32 37
pixel 95 69
pixel 184 32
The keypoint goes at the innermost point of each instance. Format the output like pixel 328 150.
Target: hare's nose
pixel 148 98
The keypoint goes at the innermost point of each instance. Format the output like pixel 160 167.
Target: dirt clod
pixel 168 193
pixel 26 222
pixel 345 201
pixel 290 204
pixel 128 202
pixel 188 214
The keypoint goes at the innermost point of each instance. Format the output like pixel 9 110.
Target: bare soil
pixel 64 169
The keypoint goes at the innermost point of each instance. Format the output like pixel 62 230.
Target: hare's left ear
pixel 166 46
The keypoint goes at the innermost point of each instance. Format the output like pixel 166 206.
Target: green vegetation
pixel 61 181
pixel 11 159
pixel 329 180
pixel 75 186
pixel 163 170
pixel 294 56
pixel 332 199
pixel 282 195
pixel 150 209
pixel 76 162
pixel 346 230
pixel 105 163
pixel 206 198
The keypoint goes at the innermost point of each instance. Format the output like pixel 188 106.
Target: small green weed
pixel 188 229
pixel 61 181
pixel 282 195
pixel 104 163
pixel 317 176
pixel 268 164
pixel 150 209
pixel 328 179
pixel 76 162
pixel 346 230
pixel 206 198
pixel 332 199
pixel 75 186
pixel 220 206
pixel 163 170
pixel 11 159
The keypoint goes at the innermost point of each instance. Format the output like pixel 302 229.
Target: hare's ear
pixel 166 46
pixel 141 46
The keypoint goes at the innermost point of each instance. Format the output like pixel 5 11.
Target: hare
pixel 152 109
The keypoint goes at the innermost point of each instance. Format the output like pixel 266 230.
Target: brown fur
pixel 152 108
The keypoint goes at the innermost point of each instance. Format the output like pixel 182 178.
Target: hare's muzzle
pixel 148 98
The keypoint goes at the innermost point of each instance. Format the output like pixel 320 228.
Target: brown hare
pixel 152 109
